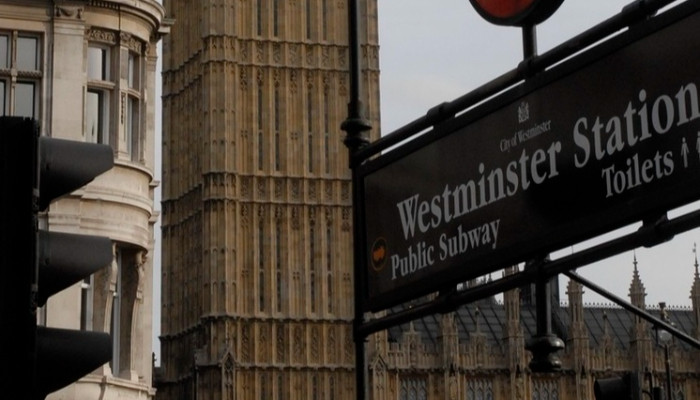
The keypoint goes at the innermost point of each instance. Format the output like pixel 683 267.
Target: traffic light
pixel 35 171
pixel 624 387
pixel 17 241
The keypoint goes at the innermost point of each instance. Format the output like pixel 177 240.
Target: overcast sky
pixel 436 51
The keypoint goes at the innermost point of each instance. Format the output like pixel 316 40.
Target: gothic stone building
pixel 478 351
pixel 257 237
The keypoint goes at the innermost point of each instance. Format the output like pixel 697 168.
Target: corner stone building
pixel 257 237
pixel 86 71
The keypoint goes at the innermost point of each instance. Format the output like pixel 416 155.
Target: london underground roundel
pixel 516 12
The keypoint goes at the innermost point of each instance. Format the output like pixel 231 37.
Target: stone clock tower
pixel 257 295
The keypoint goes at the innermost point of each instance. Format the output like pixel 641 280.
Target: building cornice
pixel 148 10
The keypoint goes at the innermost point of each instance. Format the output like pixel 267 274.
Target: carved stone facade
pixel 257 267
pixel 86 70
pixel 478 351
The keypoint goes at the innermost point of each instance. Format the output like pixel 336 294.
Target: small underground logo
pixel 379 254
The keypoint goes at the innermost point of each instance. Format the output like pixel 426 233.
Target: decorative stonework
pixel 343 88
pixel 312 215
pixel 298 344
pixel 279 213
pixel 111 5
pixel 245 343
pixel 262 189
pixel 296 223
pixel 276 78
pixel 244 215
pixel 296 191
pixel 279 189
pixel 314 345
pixel 294 54
pixel 259 52
pixel 347 215
pixel 329 191
pixel 259 76
pixel 280 344
pixel 293 82
pixel 345 191
pixel 312 190
pixel 245 187
pixel 68 12
pixel 245 53
pixel 331 347
pixel 244 78
pixel 123 107
pixel 263 342
pixel 309 56
pixel 102 36
pixel 342 57
pixel 349 346
pixel 325 57
pixel 310 77
pixel 276 53
pixel 131 42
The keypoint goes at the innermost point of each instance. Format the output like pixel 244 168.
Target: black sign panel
pixel 604 140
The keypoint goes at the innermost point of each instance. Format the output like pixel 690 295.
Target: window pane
pixel 27 55
pixel 133 73
pixel 2 98
pixel 92 116
pixel 4 51
pixel 132 127
pixel 24 99
pixel 97 63
pixel 96 117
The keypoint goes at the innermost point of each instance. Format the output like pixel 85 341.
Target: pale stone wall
pixel 119 203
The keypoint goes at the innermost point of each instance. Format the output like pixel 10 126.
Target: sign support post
pixel 545 345
pixel 355 126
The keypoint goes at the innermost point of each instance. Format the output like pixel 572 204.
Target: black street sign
pixel 605 139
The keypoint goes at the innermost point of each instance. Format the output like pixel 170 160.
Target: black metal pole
pixel 669 394
pixel 544 345
pixel 355 126
pixel 529 42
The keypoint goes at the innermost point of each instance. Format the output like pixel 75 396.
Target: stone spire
pixel 513 334
pixel 640 342
pixel 608 344
pixel 578 342
pixel 511 300
pixel 449 341
pixel 637 291
pixel 575 292
pixel 477 342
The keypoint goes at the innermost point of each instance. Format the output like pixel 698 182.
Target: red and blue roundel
pixel 516 12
